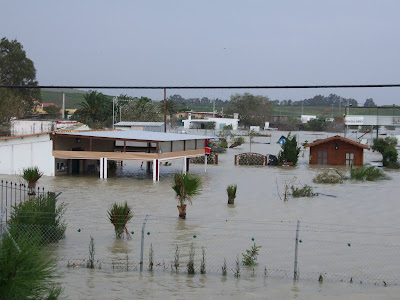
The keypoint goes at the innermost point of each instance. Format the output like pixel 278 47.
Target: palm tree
pixel 186 187
pixel 119 215
pixel 31 176
pixel 96 110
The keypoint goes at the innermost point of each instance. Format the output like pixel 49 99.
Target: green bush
pixel 305 191
pixel 26 272
pixel 41 214
pixel 223 144
pixel 239 140
pixel 389 155
pixel 250 257
pixel 231 191
pixel 367 173
pixel 290 151
pixel 329 177
pixel 31 176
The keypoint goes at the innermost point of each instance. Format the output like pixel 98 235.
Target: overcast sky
pixel 219 42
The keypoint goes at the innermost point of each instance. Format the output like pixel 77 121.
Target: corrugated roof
pixel 336 137
pixel 137 135
pixel 139 124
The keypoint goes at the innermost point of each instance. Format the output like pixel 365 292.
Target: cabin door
pixel 322 158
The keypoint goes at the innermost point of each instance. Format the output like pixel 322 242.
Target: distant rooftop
pixel 137 135
pixel 139 124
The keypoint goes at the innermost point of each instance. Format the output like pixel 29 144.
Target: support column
pixel 184 165
pixel 101 167
pixel 154 171
pixel 205 163
pixel 187 164
pixel 158 169
pixel 105 164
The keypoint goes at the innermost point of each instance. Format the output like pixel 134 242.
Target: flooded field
pixel 352 234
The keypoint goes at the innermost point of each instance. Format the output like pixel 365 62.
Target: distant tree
pixel 369 103
pixel 53 111
pixel 172 107
pixel 96 110
pixel 177 98
pixel 17 69
pixel 141 109
pixel 252 109
pixel 316 125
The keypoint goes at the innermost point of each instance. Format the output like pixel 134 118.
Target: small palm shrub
pixel 186 186
pixel 41 215
pixel 31 176
pixel 305 191
pixel 26 272
pixel 367 173
pixel 119 215
pixel 329 177
pixel 231 191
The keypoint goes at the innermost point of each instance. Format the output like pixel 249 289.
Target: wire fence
pixel 289 249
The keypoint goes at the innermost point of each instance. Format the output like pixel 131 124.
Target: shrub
pixel 119 215
pixel 290 151
pixel 43 215
pixel 329 177
pixel 26 272
pixel 389 155
pixel 231 191
pixel 223 144
pixel 305 191
pixel 367 173
pixel 250 257
pixel 239 140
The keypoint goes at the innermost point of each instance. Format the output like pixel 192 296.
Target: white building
pixel 26 151
pixel 307 118
pixel 220 123
pixel 23 126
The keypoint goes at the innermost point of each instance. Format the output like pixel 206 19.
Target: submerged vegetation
pixel 41 215
pixel 367 173
pixel 186 186
pixel 305 191
pixel 290 151
pixel 231 191
pixel 119 215
pixel 250 257
pixel 330 177
pixel 389 153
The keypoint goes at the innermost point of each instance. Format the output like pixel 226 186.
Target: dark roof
pixel 337 137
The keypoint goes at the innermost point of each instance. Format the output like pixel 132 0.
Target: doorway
pixel 322 158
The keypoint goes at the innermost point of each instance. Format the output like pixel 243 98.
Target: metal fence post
pixel 296 274
pixel 142 242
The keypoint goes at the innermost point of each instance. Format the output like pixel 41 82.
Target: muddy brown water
pixel 363 213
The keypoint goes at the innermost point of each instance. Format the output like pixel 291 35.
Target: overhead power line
pixel 344 86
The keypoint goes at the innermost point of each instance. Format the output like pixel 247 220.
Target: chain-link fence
pixel 289 249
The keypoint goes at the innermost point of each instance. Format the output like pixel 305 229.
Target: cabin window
pixel 322 157
pixel 349 159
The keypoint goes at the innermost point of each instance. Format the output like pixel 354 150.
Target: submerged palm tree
pixel 31 176
pixel 186 187
pixel 119 215
pixel 231 191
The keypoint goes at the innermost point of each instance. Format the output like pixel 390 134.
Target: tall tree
pixel 369 103
pixel 141 109
pixel 17 69
pixel 252 109
pixel 96 110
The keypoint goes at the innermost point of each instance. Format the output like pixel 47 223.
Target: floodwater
pixel 352 231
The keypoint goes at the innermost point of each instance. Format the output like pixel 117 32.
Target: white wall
pixel 29 151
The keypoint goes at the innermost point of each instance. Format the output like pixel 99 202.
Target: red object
pixel 208 150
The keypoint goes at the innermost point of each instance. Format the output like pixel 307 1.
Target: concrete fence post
pixel 142 242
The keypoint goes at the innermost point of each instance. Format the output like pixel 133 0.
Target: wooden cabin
pixel 336 150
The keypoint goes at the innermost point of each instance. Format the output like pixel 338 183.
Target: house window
pixel 349 159
pixel 60 166
pixel 322 158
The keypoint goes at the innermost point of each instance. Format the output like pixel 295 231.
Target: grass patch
pixel 305 191
pixel 367 173
pixel 329 177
